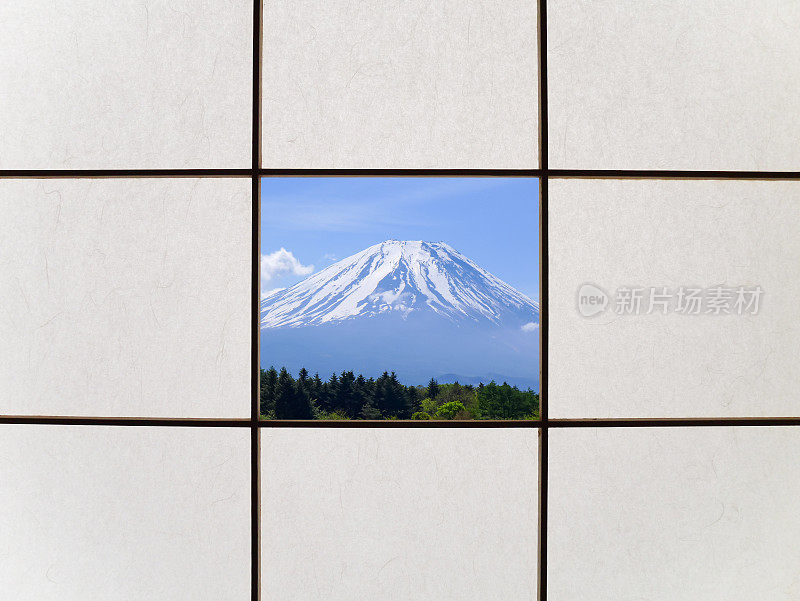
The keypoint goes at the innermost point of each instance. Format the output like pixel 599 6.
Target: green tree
pixel 449 410
pixel 327 398
pixel 390 397
pixel 433 389
pixel 284 395
pixel 304 382
pixel 369 411
pixel 506 402
pixel 429 406
pixel 348 399
pixel 268 381
pixel 363 390
pixel 414 398
pixel 351 396
pixel 316 388
pixel 291 399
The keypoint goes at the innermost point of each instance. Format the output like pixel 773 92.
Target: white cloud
pixel 330 257
pixel 282 262
pixel 531 326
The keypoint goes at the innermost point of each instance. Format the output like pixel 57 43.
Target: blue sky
pixel 307 223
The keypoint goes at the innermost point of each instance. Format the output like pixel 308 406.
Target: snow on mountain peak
pixel 400 277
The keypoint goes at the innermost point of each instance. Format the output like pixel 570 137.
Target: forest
pixel 347 396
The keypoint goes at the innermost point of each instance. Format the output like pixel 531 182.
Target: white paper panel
pixel 638 233
pixel 415 84
pixel 399 514
pixel 125 297
pixel 686 84
pixel 697 514
pixel 88 84
pixel 97 513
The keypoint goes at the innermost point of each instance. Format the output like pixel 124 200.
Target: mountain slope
pixel 421 309
pixel 401 277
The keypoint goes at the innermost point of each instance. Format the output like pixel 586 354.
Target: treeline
pixel 347 396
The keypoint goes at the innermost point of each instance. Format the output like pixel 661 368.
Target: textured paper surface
pixel 687 84
pixel 125 297
pixel 616 233
pixel 400 85
pixel 96 513
pixel 697 514
pixel 399 514
pixel 89 84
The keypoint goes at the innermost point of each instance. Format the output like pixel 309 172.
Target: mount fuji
pixel 421 309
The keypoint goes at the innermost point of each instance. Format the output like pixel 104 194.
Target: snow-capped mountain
pixel 400 278
pixel 421 309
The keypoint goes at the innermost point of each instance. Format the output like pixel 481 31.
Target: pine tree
pixel 317 389
pixel 304 383
pixel 398 398
pixel 347 398
pixel 369 411
pixel 269 380
pixel 327 398
pixel 363 390
pixel 263 395
pixel 414 399
pixel 291 398
pixel 302 408
pixel 284 395
pixel 433 389
pixel 390 397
